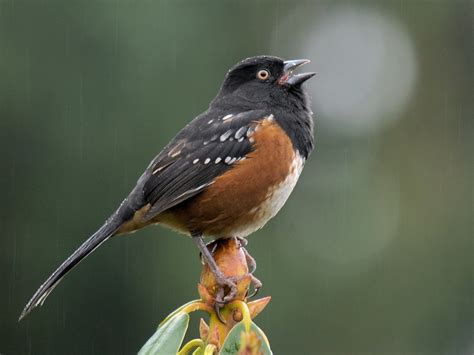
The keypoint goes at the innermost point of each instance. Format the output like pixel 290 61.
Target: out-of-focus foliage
pixel 375 245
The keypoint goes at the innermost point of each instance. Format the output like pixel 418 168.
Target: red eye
pixel 263 74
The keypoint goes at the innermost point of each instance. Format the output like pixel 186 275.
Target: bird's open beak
pixel 289 67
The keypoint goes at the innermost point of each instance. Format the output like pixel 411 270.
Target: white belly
pixel 275 199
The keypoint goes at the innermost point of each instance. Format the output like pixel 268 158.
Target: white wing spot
pixel 226 135
pixel 195 161
pixel 193 190
pixel 157 170
pixel 240 132
pixel 176 150
pixel 232 160
pixel 227 160
pixel 207 161
pixel 218 160
pixel 210 121
pixel 227 117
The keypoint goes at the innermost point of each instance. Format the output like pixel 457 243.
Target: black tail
pixel 105 232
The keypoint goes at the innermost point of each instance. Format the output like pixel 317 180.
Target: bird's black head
pixel 269 84
pixel 264 80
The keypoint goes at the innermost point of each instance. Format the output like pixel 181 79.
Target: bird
pixel 226 173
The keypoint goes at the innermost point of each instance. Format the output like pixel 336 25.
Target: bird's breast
pixel 275 197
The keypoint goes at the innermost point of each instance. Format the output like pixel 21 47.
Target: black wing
pixel 203 150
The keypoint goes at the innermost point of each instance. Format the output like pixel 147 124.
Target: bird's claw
pixel 221 298
pixel 257 285
pixel 217 310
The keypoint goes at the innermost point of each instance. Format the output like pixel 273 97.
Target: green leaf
pixel 169 336
pixel 178 310
pixel 232 344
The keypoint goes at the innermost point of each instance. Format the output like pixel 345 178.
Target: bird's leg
pixel 257 285
pixel 252 265
pixel 212 245
pixel 221 280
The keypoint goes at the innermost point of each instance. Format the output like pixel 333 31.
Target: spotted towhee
pixel 226 173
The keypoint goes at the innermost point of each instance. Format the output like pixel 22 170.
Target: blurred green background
pixel 372 254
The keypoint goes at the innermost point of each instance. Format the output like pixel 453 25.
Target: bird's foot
pixel 257 285
pixel 226 292
pixel 233 280
pixel 230 285
pixel 252 265
pixel 227 288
